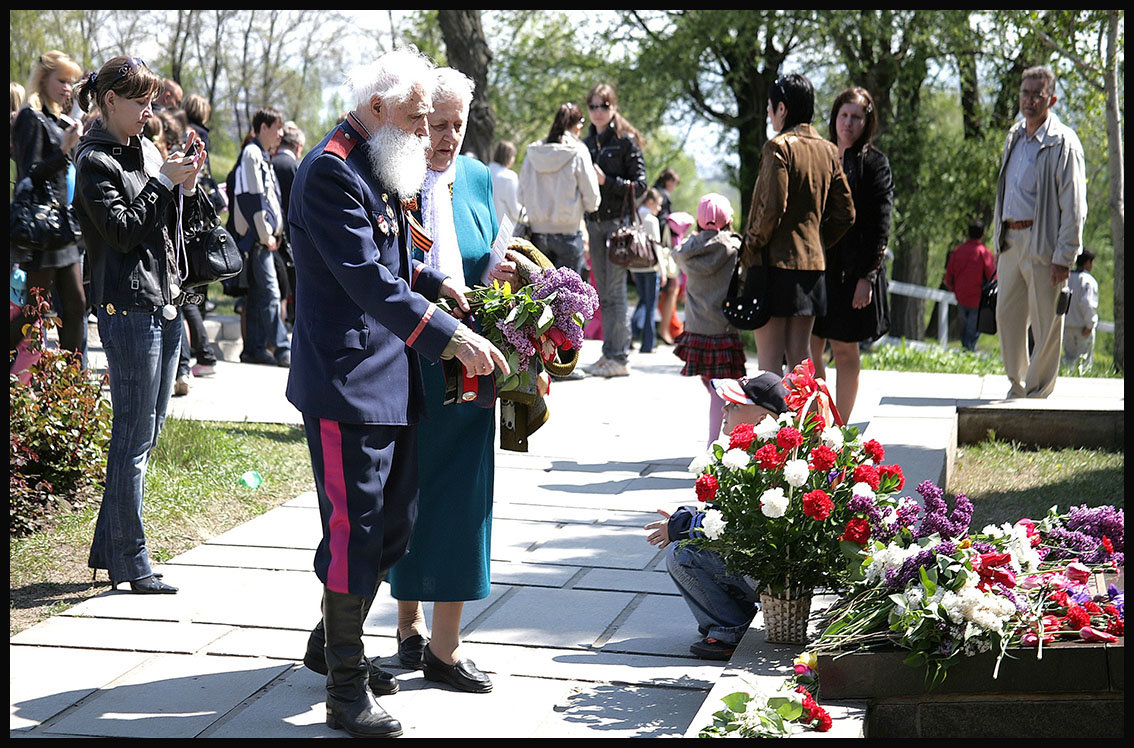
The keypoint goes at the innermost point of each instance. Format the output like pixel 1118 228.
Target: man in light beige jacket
pixel 1041 206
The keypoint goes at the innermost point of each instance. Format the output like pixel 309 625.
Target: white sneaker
pixel 593 368
pixel 611 368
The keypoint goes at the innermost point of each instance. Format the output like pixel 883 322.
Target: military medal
pixel 383 225
pixel 169 311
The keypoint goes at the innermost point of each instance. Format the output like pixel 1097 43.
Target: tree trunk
pixel 1117 188
pixel 970 95
pixel 468 51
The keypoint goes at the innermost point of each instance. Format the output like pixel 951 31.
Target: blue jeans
pixel 968 317
pixel 610 281
pixel 564 250
pixel 723 603
pixel 141 352
pixel 265 326
pixel 643 318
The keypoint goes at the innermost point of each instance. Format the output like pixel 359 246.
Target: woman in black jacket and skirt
pixel 858 307
pixel 43 138
pixel 133 207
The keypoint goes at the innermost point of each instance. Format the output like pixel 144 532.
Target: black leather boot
pixel 382 682
pixel 350 704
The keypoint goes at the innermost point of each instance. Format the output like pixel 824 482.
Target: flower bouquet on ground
pixel 927 584
pixel 790 497
pixel 758 714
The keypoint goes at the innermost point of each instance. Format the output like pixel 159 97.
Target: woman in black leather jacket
pixel 858 307
pixel 616 152
pixel 133 208
pixel 43 137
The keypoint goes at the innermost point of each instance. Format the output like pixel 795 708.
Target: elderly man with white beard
pixel 363 315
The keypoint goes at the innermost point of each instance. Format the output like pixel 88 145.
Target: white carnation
pixel 767 429
pixel 735 459
pixel 795 472
pixel 862 489
pixel 700 462
pixel 713 524
pixel 787 418
pixel 832 437
pixel 773 502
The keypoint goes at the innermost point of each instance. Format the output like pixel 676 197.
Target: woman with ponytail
pixel 133 206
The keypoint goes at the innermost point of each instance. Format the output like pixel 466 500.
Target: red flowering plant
pixel 781 494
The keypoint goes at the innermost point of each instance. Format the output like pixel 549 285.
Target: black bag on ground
pixel 746 307
pixel 986 316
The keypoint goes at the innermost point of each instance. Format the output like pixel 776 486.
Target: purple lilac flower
pixel 910 570
pixel 1065 543
pixel 1013 598
pixel 937 520
pixel 520 340
pixel 982 547
pixel 572 295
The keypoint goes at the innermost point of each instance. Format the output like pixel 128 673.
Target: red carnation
pixel 1107 545
pixel 893 470
pixel 817 505
pixel 822 458
pixel 1059 597
pixel 1077 617
pixel 706 488
pixel 824 722
pixel 1110 610
pixel 741 437
pixel 867 474
pixel 857 531
pixel 1115 626
pixel 789 438
pixel 874 451
pixel 1091 607
pixel 768 457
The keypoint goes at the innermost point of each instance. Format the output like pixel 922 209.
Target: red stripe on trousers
pixel 338 527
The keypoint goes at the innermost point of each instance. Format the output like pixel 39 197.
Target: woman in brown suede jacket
pixel 801 205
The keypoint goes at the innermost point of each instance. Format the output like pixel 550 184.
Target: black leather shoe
pixel 464 675
pixel 381 682
pixel 151 585
pixel 411 651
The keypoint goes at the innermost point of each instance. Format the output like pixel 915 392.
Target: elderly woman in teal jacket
pixel 448 558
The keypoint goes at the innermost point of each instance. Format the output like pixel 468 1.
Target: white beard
pixel 398 159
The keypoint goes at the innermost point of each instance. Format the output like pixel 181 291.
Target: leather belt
pixel 1017 225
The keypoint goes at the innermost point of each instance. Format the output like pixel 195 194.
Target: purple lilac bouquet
pixel 535 320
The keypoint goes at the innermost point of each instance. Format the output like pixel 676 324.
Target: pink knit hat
pixel 714 211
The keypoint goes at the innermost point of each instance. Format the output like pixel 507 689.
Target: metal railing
pixel 946 298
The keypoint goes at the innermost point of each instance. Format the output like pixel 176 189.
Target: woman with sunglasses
pixel 616 151
pixel 43 138
pixel 133 207
pixel 801 206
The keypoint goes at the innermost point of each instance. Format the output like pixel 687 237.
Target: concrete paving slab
pixel 660 625
pixel 618 580
pixel 511 539
pixel 555 618
pixel 383 617
pixel 285 527
pixel 291 644
pixel 224 397
pixel 637 520
pixel 518 485
pixel 546 513
pixel 198 586
pixel 617 711
pixel 34 683
pixel 531 575
pixel 307 499
pixel 596 546
pixel 168 696
pixel 274 599
pixel 247 557
pixel 595 665
pixel 124 635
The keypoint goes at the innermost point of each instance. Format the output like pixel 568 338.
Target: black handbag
pixel 986 314
pixel 212 257
pixel 748 307
pixel 630 246
pixel 37 221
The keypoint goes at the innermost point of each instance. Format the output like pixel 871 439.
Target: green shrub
pixel 59 428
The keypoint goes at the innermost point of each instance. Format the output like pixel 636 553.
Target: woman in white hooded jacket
pixel 558 185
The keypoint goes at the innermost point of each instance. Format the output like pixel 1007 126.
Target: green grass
pixel 193 494
pixel 1007 481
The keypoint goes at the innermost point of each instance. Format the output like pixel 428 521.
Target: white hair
pixel 392 76
pixel 450 84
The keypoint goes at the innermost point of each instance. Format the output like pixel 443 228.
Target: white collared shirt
pixel 1020 176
